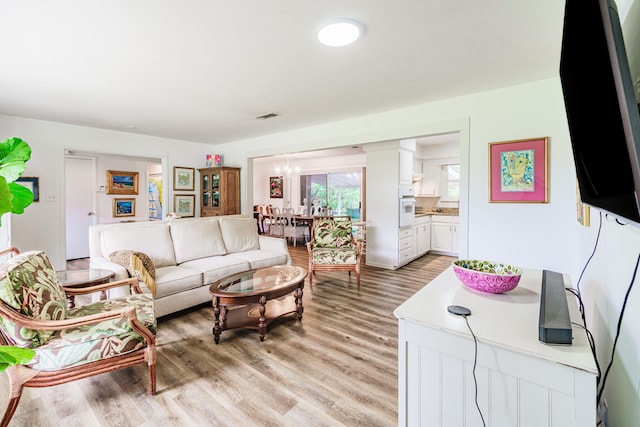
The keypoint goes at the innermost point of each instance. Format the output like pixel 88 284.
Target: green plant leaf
pixel 14 153
pixel 22 197
pixel 10 356
pixel 5 197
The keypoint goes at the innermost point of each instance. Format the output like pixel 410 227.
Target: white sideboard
pixel 521 381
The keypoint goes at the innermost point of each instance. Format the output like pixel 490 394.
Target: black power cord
pixel 475 361
pixel 618 328
pixel 458 310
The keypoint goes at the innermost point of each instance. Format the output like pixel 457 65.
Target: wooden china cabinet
pixel 219 191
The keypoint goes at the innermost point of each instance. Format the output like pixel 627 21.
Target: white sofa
pixel 189 254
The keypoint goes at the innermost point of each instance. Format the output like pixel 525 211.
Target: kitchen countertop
pixel 438 211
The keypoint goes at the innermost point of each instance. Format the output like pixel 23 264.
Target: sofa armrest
pixel 106 264
pixel 275 244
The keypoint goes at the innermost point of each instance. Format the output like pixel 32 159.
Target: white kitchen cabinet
pixel 406 245
pixel 405 171
pixel 429 183
pixel 521 382
pixel 444 234
pixel 423 235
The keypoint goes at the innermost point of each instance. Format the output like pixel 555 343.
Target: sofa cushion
pixel 215 268
pixel 152 239
pixel 261 258
pixel 174 279
pixel 193 239
pixel 239 234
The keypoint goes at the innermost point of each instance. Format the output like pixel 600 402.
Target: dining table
pixel 300 218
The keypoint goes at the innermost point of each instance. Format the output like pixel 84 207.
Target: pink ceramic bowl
pixel 486 276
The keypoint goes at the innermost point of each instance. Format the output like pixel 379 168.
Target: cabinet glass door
pixel 205 183
pixel 205 199
pixel 215 182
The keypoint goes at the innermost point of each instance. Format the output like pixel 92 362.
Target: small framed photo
pixel 184 204
pixel 518 171
pixel 275 187
pixel 183 178
pixel 120 182
pixel 32 183
pixel 124 207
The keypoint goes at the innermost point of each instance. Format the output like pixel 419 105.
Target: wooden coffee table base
pixel 254 316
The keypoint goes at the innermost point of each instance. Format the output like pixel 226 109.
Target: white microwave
pixel 407 211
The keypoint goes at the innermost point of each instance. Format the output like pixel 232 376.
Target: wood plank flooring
pixel 338 367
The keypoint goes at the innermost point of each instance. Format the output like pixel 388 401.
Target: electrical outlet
pixel 52 197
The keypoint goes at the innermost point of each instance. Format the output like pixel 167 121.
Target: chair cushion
pixel 138 264
pixel 328 233
pixel 239 234
pixel 344 256
pixel 29 284
pixel 79 345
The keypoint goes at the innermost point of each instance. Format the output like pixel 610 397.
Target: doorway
pixel 80 204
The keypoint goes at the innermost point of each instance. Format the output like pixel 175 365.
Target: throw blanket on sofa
pixel 139 265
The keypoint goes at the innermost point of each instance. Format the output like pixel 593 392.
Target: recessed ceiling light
pixel 339 32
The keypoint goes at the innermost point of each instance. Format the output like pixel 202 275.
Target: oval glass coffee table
pixel 254 298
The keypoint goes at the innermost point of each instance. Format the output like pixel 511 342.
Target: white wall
pixel 42 224
pixel 513 233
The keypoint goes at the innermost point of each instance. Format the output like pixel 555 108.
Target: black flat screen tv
pixel 600 77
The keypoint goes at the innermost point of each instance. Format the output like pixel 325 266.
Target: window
pixel 340 192
pixel 450 182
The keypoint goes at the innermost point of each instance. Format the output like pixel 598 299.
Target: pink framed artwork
pixel 518 171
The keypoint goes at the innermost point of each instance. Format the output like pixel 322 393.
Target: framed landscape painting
pixel 183 178
pixel 518 171
pixel 124 207
pixel 120 182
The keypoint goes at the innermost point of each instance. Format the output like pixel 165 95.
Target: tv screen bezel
pixel 601 107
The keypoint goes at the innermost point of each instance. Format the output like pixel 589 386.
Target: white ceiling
pixel 201 70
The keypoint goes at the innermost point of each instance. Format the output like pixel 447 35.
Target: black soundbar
pixel 554 323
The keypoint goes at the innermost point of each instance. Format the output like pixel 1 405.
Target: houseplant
pixel 14 154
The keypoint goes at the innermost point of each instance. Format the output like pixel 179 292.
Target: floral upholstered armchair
pixel 332 247
pixel 69 344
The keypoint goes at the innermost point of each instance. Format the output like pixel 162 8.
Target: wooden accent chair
pixel 69 344
pixel 332 246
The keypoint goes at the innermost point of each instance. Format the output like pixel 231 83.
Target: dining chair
pixel 292 228
pixel 276 227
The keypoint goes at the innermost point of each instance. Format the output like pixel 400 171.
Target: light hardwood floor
pixel 338 367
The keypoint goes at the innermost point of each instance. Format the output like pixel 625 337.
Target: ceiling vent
pixel 267 116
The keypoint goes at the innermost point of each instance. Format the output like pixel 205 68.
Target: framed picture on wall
pixel 32 183
pixel 518 171
pixel 184 204
pixel 120 182
pixel 183 178
pixel 275 187
pixel 124 207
